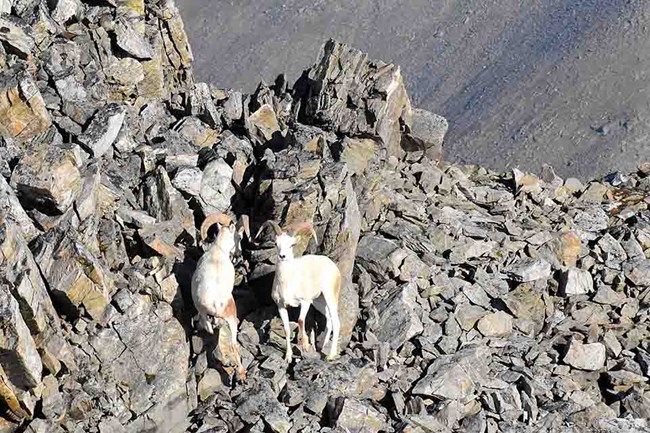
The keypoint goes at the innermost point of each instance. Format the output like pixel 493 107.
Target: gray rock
pixel 427 132
pixel 216 189
pixel 576 282
pixel 345 79
pixel 607 296
pixel 373 253
pixel 530 270
pixel 15 212
pixel 497 324
pixel 132 42
pixel 17 35
pixel 103 130
pixel 259 402
pixel 397 317
pixel 63 10
pixel 18 355
pixel 467 315
pixel 448 382
pixel 47 179
pixel 188 180
pixel 354 416
pixel 590 356
pixel 638 272
pixel 613 252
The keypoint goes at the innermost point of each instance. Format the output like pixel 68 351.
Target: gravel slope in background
pixel 522 82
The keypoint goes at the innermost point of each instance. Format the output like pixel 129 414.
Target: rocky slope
pixel 473 301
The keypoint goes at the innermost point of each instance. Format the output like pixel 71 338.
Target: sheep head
pixel 286 238
pixel 225 238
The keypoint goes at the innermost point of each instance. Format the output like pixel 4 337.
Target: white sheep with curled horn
pixel 214 278
pixel 299 281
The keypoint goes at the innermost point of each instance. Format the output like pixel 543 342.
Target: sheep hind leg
pixel 328 326
pixel 332 308
pixel 231 318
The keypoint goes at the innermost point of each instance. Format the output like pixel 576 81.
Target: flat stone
pixel 263 123
pixel 209 383
pixel 398 319
pixel 372 253
pixel 497 324
pixel 576 282
pixel 354 416
pixel 132 42
pixel 589 357
pixel 638 272
pixel 188 180
pixel 16 214
pixel 216 188
pixel 103 130
pixel 467 315
pixel 260 402
pixel 63 10
pixel 530 270
pixel 448 382
pixel 16 35
pixel 607 296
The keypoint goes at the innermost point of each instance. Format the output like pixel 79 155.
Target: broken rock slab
pixel 576 282
pixel 15 211
pixel 18 355
pixel 103 130
pixel 16 34
pixel 146 349
pixel 356 416
pixel 398 317
pixel 426 133
pixel 47 178
pixel 497 324
pixel 589 357
pixel 23 114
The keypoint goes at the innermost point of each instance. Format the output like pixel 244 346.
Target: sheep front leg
pixel 284 315
pixel 304 341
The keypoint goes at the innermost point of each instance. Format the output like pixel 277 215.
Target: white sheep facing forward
pixel 214 278
pixel 298 282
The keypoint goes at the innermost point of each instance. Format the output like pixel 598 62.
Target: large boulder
pixel 350 94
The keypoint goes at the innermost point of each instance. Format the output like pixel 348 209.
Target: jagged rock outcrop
pixel 472 300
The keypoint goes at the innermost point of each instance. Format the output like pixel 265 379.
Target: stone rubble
pixel 472 301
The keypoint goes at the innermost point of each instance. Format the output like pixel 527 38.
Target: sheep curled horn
pixel 293 229
pixel 224 221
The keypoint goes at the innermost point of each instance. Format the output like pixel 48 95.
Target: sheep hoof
pixel 332 357
pixel 288 358
pixel 241 374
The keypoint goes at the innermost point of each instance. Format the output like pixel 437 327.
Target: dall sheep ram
pixel 214 278
pixel 299 281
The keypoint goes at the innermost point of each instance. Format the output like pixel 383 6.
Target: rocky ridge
pixel 473 301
